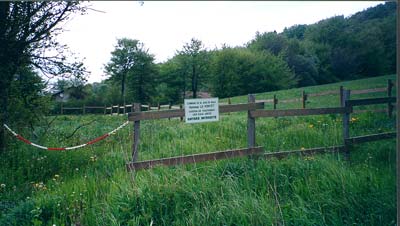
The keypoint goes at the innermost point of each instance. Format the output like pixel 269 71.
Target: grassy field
pixel 90 186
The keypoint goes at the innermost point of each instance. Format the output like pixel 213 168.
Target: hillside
pixel 90 186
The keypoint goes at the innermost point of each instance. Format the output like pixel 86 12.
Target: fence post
pixel 229 101
pixel 346 122
pixel 275 102
pixel 341 96
pixel 180 107
pixel 124 108
pixel 159 107
pixel 148 107
pixel 251 125
pixel 136 134
pixel 170 107
pixel 389 94
pixel 304 99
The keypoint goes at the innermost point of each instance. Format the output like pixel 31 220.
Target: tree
pixel 195 54
pixel 238 71
pixel 132 64
pixel 271 41
pixel 172 80
pixel 142 76
pixel 27 33
pixel 122 60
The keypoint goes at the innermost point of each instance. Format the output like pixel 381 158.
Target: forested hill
pixel 337 48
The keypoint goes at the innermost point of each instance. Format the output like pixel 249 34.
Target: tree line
pixel 331 50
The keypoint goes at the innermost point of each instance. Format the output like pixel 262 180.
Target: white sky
pixel 164 27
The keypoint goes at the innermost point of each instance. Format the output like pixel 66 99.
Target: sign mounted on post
pixel 201 110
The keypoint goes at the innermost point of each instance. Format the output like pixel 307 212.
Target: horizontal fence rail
pixel 299 112
pixel 180 160
pixel 305 152
pixel 174 113
pixel 372 137
pixel 371 101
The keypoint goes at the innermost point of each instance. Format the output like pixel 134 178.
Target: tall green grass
pixel 90 186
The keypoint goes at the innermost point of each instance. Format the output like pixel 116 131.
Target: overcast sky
pixel 164 27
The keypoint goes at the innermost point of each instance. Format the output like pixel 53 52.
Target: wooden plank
pixel 364 91
pixel 251 125
pixel 373 137
pixel 71 108
pixel 240 107
pixel 94 107
pixel 303 99
pixel 346 121
pixel 389 94
pixel 325 93
pixel 151 115
pixel 370 101
pixel 299 112
pixel 305 152
pixel 187 159
pixel 136 135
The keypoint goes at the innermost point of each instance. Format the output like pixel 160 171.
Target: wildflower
pixel 3 185
pixel 309 158
pixel 56 176
pixel 302 148
pixel 77 169
pixel 93 158
pixel 311 126
pixel 353 119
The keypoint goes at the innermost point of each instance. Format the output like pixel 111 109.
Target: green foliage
pixel 194 60
pixel 27 34
pixel 241 71
pixel 132 65
pixel 90 186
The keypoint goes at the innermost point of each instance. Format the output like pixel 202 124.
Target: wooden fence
pixel 256 110
pixel 124 109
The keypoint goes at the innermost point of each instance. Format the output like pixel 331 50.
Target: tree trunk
pixel 123 88
pixel 194 81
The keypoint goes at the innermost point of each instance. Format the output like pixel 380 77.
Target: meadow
pixel 91 186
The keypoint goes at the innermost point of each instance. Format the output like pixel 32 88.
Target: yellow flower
pixel 308 158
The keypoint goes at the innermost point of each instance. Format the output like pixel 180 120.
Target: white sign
pixel 201 110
